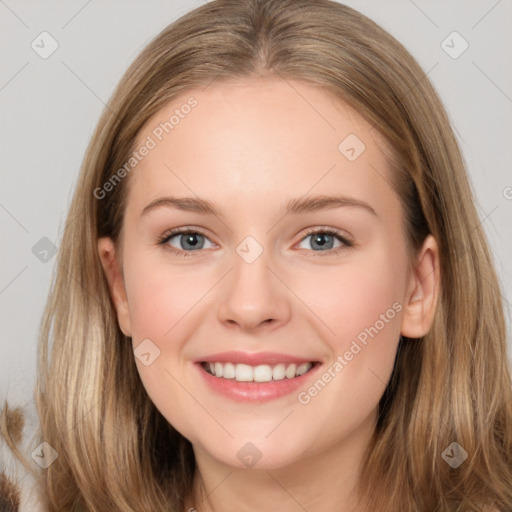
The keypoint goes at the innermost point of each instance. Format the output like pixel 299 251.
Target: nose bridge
pixel 252 294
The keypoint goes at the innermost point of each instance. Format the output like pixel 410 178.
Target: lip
pixel 253 359
pixel 255 391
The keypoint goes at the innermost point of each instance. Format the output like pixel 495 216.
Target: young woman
pixel 273 291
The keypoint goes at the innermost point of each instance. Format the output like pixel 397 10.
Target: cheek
pixel 351 298
pixel 361 303
pixel 161 305
pixel 159 297
pixel 364 311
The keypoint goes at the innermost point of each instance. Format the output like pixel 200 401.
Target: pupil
pixel 190 241
pixel 320 240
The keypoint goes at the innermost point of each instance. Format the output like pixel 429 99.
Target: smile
pixel 245 383
pixel 260 373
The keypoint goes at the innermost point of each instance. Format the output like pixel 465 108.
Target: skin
pixel 249 147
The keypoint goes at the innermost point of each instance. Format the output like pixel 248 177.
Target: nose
pixel 253 296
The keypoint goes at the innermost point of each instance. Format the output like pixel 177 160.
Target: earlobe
pixel 111 267
pixel 423 291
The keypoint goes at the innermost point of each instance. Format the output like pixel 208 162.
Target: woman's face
pixel 295 254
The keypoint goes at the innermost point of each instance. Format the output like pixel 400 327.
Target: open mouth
pixel 260 373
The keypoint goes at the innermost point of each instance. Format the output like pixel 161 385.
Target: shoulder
pixel 20 489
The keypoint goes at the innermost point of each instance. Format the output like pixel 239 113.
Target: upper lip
pixel 253 359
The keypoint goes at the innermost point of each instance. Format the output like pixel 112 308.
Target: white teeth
pixel 261 373
pixel 243 372
pixel 229 371
pixel 302 369
pixel 218 369
pixel 279 372
pixel 291 371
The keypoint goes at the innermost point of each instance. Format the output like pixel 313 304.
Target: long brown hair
pixel 116 451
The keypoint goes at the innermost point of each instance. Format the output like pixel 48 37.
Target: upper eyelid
pixel 184 231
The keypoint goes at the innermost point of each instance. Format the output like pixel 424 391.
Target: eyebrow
pixel 294 206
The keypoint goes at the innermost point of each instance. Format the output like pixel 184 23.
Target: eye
pixel 324 240
pixel 184 241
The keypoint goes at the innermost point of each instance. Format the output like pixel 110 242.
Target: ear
pixel 111 267
pixel 423 291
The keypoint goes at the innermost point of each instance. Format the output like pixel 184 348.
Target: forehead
pixel 257 140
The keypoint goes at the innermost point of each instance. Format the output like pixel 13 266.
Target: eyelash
pixel 186 231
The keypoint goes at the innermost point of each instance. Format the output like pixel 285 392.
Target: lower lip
pixel 255 391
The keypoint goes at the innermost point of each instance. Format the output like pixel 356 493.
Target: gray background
pixel 50 107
